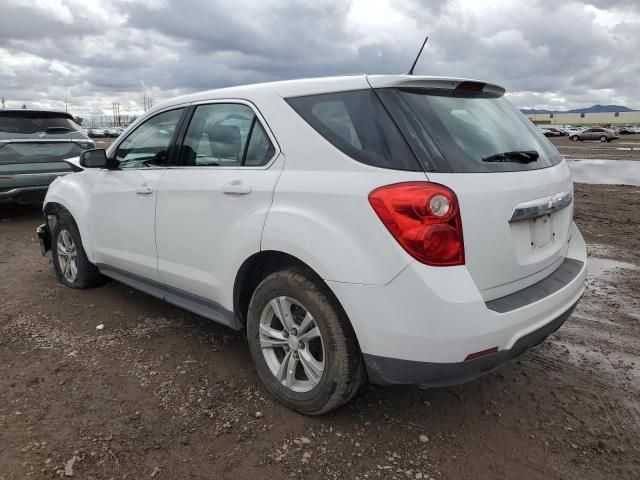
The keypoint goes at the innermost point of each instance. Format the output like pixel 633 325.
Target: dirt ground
pixel 627 147
pixel 161 393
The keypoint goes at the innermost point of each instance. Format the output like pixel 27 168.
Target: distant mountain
pixel 592 109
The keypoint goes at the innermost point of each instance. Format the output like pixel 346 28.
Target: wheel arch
pixel 67 195
pixel 255 269
pixel 260 265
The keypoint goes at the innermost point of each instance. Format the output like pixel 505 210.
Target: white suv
pixel 403 229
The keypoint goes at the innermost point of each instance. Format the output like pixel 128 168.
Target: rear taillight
pixel 424 218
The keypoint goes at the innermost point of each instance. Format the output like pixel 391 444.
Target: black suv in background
pixel 33 144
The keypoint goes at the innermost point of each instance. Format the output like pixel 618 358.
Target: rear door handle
pixel 144 190
pixel 236 188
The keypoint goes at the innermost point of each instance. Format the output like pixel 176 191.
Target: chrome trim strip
pixel 38 174
pixel 47 140
pixel 541 206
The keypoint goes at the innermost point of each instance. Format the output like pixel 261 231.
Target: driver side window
pixel 148 144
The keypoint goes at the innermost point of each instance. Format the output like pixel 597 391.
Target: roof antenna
pixel 410 72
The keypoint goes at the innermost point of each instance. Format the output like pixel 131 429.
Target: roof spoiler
pixel 457 84
pixel 24 113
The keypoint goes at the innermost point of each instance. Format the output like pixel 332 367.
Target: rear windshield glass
pixel 357 123
pixel 34 122
pixel 471 132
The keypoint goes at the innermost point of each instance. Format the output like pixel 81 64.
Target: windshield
pixel 470 130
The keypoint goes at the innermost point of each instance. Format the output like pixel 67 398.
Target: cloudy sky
pixel 548 53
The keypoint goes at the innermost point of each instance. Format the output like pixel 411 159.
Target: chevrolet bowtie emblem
pixel 554 202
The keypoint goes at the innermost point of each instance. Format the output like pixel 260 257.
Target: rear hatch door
pixel 33 141
pixel 513 187
pixel 509 242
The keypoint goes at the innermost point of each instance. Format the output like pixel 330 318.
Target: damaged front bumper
pixel 44 237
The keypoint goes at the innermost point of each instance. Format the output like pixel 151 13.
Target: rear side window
pixel 34 122
pixel 225 135
pixel 357 124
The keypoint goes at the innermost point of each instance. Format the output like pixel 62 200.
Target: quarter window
pixel 357 124
pixel 225 135
pixel 148 144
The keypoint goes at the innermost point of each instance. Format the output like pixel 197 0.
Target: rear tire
pixel 603 139
pixel 70 261
pixel 310 361
pixel 575 138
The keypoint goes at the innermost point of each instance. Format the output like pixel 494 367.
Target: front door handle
pixel 236 188
pixel 144 190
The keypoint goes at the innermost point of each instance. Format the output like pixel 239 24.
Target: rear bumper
pixel 387 371
pixel 27 186
pixel 422 326
pixel 25 193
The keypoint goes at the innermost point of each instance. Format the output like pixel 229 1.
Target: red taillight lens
pixel 424 218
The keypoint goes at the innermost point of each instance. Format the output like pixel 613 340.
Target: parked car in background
pixel 419 231
pixel 112 132
pixel 601 134
pixel 97 132
pixel 33 144
pixel 552 132
pixel 628 131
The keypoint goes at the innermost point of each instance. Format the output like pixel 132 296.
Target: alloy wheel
pixel 67 256
pixel 292 344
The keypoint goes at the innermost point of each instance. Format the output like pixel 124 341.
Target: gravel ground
pixel 161 393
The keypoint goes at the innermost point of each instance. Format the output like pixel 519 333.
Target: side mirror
pixel 96 158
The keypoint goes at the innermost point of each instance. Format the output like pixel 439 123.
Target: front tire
pixel 575 138
pixel 603 139
pixel 70 261
pixel 301 342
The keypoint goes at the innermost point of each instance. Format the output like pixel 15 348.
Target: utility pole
pixel 148 103
pixel 66 105
pixel 3 104
pixel 116 113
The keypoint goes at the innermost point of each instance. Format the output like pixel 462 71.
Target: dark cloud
pixel 92 52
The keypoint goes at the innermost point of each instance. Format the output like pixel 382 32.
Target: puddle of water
pixel 618 172
pixel 600 267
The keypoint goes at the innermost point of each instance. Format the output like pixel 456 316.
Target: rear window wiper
pixel 520 156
